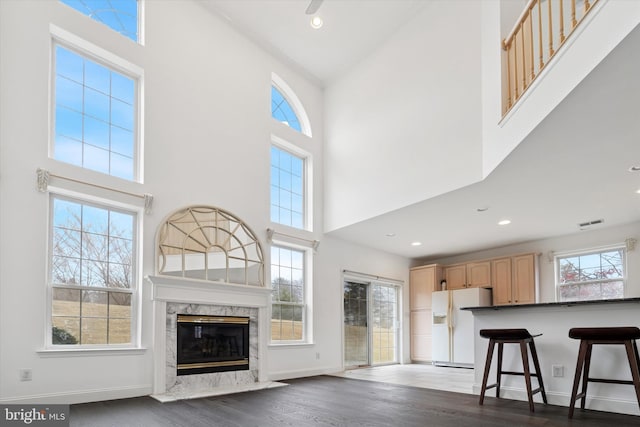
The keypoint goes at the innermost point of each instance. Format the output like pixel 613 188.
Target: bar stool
pixel 512 336
pixel 611 335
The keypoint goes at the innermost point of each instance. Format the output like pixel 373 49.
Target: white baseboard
pixel 596 403
pixel 82 396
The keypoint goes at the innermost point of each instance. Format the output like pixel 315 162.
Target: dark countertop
pixel 553 304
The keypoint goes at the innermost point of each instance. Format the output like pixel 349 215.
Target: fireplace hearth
pixel 211 343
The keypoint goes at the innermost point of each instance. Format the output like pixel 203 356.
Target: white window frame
pixel 295 103
pixel 67 40
pixel 136 287
pixel 307 181
pixel 591 251
pixel 307 317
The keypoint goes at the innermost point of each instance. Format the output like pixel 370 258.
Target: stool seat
pixel 522 337
pixel 610 333
pixel 505 334
pixel 622 335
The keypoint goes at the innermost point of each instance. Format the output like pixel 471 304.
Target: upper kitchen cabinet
pixel 479 274
pixel 469 275
pixel 514 279
pixel 422 282
pixel 456 276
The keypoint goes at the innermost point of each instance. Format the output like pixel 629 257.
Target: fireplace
pixel 211 343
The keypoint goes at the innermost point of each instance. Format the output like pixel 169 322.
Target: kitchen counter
pixel 558 353
pixel 554 304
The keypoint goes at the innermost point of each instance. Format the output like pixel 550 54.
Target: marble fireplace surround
pixel 172 295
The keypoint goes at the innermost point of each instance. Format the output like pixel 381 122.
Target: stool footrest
pixel 602 380
pixel 494 385
pixel 518 373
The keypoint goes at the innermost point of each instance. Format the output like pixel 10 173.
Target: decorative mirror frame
pixel 203 230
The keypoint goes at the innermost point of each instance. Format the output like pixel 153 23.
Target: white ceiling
pixel 573 168
pixel 352 29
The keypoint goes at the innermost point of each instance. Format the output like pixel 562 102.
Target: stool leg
pixel 527 373
pixel 576 379
pixel 632 355
pixel 536 364
pixel 585 374
pixel 499 370
pixel 487 368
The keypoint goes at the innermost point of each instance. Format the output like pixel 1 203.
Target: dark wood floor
pixel 332 401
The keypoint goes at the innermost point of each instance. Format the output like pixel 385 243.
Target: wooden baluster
pixel 540 35
pixel 514 47
pixel 508 50
pixel 533 73
pixel 551 51
pixel 574 22
pixel 587 6
pixel 562 37
pixel 524 58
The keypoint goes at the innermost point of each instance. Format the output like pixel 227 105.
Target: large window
pixel 95 115
pixel 119 15
pixel 591 275
pixel 288 296
pixel 92 273
pixel 287 188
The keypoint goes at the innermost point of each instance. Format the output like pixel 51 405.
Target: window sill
pixel 291 345
pixel 75 352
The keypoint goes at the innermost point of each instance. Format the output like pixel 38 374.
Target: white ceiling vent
pixel 589 224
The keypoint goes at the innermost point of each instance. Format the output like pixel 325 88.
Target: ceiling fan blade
pixel 313 6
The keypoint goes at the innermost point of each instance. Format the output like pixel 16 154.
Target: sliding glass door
pixel 370 323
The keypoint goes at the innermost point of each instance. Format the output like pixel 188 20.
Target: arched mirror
pixel 207 243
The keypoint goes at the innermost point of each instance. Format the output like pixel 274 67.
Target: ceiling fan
pixel 313 6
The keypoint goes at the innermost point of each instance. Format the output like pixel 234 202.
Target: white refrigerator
pixel 453 331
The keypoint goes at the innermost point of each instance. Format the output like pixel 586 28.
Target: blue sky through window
pixel 281 110
pixel 287 188
pixel 94 116
pixel 119 15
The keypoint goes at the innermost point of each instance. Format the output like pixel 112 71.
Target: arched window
pixel 287 108
pixel 207 243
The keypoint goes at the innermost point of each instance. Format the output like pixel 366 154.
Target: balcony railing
pixel 539 33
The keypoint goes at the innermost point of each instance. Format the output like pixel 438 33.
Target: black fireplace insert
pixel 212 344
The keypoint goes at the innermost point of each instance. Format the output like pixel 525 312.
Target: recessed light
pixel 504 222
pixel 316 22
pixel 416 243
pixel 390 234
pixel 638 191
pixel 482 209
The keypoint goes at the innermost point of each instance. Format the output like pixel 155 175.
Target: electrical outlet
pixel 25 374
pixel 557 371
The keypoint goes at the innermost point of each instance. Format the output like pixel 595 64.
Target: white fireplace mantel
pixel 168 289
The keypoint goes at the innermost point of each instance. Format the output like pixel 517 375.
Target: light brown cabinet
pixel 456 276
pixel 422 282
pixel 479 274
pixel 470 275
pixel 514 280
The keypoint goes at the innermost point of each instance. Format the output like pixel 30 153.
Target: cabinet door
pixel 524 279
pixel 501 278
pixel 456 276
pixel 421 339
pixel 422 283
pixel 479 274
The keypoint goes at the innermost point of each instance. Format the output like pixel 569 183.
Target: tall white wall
pixel 405 124
pixel 207 137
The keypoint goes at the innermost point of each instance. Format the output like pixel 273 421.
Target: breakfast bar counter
pixel 558 353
